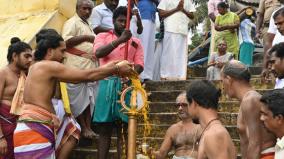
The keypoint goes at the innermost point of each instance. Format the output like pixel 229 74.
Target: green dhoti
pixel 107 108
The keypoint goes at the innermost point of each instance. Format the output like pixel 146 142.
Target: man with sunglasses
pixel 182 135
pixel 256 142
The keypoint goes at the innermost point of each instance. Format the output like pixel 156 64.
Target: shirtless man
pixel 256 141
pixel 182 135
pixel 19 57
pixel 38 122
pixel 215 141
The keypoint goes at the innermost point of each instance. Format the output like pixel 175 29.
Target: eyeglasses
pixel 181 104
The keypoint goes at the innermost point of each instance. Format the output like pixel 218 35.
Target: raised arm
pixel 3 142
pixel 139 22
pixel 165 13
pixel 108 48
pixel 73 75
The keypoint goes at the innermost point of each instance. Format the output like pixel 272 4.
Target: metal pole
pixel 132 127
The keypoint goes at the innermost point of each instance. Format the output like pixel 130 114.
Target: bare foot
pixel 86 133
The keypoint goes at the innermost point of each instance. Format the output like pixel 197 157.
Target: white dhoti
pixel 157 57
pixel 174 56
pixel 80 96
pixel 181 157
pixel 213 73
pixel 148 42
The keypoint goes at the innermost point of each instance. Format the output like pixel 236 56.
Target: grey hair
pixel 79 3
pixel 237 70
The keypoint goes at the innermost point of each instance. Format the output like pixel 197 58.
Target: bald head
pixel 182 95
pixel 237 70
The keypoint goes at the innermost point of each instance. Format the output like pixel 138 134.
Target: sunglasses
pixel 181 104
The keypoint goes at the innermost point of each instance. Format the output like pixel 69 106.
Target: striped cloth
pixel 34 136
pixel 34 141
pixel 68 125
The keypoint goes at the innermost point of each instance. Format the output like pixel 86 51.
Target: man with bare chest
pixel 38 123
pixel 182 135
pixel 215 141
pixel 256 141
pixel 19 57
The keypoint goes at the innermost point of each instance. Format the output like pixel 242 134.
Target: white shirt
pixel 101 16
pixel 177 22
pixel 279 149
pixel 273 30
pixel 279 83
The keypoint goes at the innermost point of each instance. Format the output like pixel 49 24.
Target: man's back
pixel 216 143
pixel 251 129
pixel 40 86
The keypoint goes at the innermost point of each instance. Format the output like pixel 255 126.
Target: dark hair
pixel 278 49
pixel 238 72
pixel 278 12
pixel 119 11
pixel 43 32
pixel 223 5
pixel 46 39
pixel 274 100
pixel 204 93
pixel 17 47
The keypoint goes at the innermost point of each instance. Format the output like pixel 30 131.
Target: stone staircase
pixel 162 112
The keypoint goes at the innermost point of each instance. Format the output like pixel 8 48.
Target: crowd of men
pixel 76 76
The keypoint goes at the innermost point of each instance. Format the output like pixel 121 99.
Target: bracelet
pixel 117 69
pixel 2 137
pixel 112 45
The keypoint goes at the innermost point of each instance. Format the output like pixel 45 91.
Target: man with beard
pixel 101 18
pixel 19 57
pixel 274 34
pixel 34 136
pixel 79 38
pixel 108 47
pixel 272 114
pixel 256 142
pixel 182 135
pixel 204 111
pixel 277 64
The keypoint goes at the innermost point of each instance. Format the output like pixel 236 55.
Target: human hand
pixel 265 75
pixel 125 69
pixel 3 146
pixel 125 36
pixel 90 38
pixel 180 5
pixel 259 34
pixel 135 12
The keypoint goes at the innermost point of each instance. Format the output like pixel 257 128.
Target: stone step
pixel 182 85
pixel 171 118
pixel 154 142
pixel 160 130
pixel 90 153
pixel 170 95
pixel 224 106
pixel 201 71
